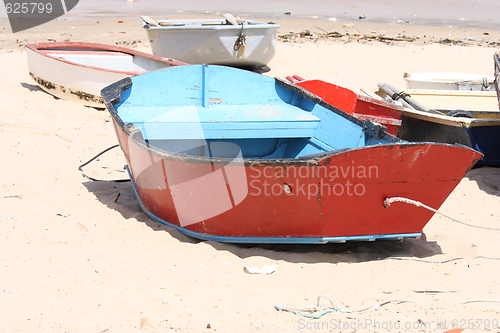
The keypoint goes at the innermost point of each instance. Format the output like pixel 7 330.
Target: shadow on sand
pixel 487 179
pixel 128 206
pixel 31 87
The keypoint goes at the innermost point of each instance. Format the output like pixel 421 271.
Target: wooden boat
pixel 229 155
pixel 449 81
pixel 455 99
pixel 214 41
pixel 461 120
pixel 361 107
pixel 496 61
pixel 78 71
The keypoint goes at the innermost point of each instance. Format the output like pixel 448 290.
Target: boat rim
pixel 452 121
pixel 37 47
pixel 196 25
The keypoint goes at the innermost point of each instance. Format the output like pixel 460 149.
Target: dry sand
pixel 75 259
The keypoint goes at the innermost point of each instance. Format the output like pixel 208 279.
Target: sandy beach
pixel 76 257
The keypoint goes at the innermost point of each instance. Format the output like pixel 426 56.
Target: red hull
pixel 339 195
pixel 348 101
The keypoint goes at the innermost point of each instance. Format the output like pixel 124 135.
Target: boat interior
pixel 111 60
pixel 235 114
pixel 203 23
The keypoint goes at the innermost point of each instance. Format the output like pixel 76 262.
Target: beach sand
pixel 75 257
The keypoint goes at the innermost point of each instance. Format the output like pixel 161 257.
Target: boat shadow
pixel 487 179
pixel 121 198
pixel 260 69
pixel 32 87
pixel 349 252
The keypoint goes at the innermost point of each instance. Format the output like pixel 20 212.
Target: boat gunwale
pixel 197 25
pixel 449 78
pixel 38 47
pixel 449 92
pixel 112 95
pixel 448 120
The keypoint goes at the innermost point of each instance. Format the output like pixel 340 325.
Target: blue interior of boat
pixel 220 111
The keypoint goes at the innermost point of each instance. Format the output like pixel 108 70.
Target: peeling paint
pixel 50 86
pixel 43 83
pixel 86 96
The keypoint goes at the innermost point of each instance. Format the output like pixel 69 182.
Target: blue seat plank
pixel 221 122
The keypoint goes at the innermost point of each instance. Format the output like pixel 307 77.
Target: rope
pixel 80 168
pixel 389 201
pixel 318 311
pixel 486 84
pixel 426 261
pixel 490 258
pixel 379 304
pixel 240 41
pixel 480 300
pixel 399 95
pixel 441 262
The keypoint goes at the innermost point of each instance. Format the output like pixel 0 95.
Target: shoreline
pixel 481 14
pixel 128 32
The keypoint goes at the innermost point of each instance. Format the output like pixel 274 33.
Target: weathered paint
pixel 496 60
pixel 483 136
pixel 53 87
pixel 327 196
pixel 334 212
pixel 199 42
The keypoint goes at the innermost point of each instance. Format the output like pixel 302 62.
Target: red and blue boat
pixel 229 155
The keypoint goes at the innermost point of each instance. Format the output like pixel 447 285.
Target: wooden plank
pixel 225 121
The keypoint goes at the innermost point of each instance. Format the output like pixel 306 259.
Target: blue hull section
pixel 486 139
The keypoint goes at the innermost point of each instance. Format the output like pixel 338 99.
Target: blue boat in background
pixel 229 155
pixel 450 116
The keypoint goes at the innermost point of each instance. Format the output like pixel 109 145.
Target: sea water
pixel 456 13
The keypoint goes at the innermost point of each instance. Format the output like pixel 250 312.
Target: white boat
pixel 78 71
pixel 245 44
pixel 449 81
pixel 454 99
